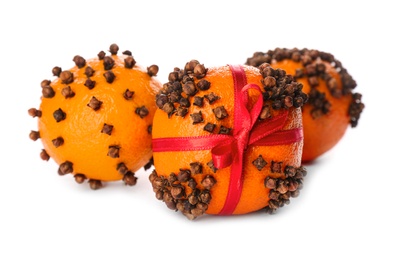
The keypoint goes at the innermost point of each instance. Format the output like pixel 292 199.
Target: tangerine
pixel 332 105
pixel 206 157
pixel 95 119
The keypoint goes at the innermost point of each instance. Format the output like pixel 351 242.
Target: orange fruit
pixel 332 105
pixel 200 115
pixel 95 119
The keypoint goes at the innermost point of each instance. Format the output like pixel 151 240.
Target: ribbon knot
pixel 224 153
pixel 228 150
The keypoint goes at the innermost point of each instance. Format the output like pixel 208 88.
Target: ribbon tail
pixel 235 185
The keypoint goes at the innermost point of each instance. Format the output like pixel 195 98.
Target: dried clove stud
pixel 95 184
pixel 196 168
pixel 107 129
pixel 197 117
pixel 66 77
pixel 67 92
pixel 108 63
pixel 65 168
pixel 89 72
pixel 48 92
pixel 90 84
pixel 189 88
pixel 152 70
pixel 95 104
pixel 44 155
pixel 220 112
pixel 114 151
pixel 56 71
pixel 122 168
pixel 129 178
pixel 113 49
pixel 142 111
pixel 276 166
pixel 223 130
pixel 259 163
pixel 203 84
pixel 129 62
pixel 33 112
pixel 128 94
pixel 208 182
pixel 198 101
pixel 34 135
pixel 101 55
pixel 211 165
pixel 79 178
pixel 57 141
pixel 79 61
pixel 109 76
pixel 59 115
pixel 211 97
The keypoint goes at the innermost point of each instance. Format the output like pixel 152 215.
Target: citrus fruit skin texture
pixel 210 189
pixel 103 128
pixel 332 105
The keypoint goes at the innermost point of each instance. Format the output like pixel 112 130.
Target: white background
pixel 347 207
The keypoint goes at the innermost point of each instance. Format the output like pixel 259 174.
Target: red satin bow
pixel 228 150
pixel 222 153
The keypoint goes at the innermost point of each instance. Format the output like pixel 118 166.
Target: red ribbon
pixel 228 150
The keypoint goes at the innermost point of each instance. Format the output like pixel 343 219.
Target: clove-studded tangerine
pixel 95 119
pixel 332 104
pixel 237 146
